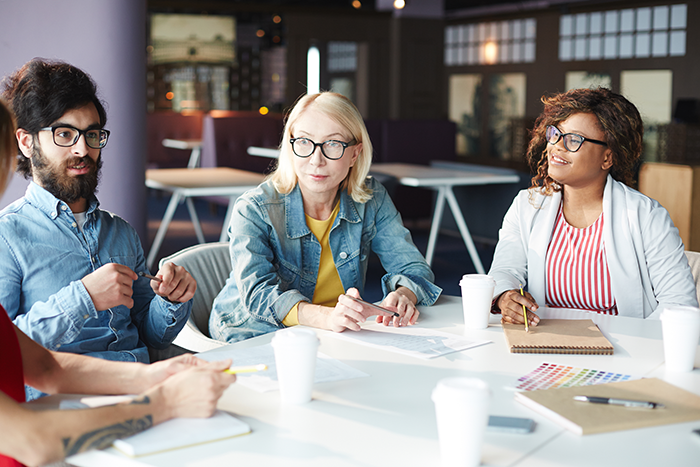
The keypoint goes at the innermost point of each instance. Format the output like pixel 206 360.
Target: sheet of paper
pixel 553 375
pixel 411 340
pixel 327 368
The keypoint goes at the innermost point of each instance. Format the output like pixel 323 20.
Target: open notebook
pixel 182 432
pixel 584 418
pixel 565 336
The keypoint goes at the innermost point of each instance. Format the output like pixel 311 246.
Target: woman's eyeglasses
pixel 332 149
pixel 572 141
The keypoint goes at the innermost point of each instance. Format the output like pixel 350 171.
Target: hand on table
pixel 158 372
pixel 194 392
pixel 403 301
pixel 511 305
pixel 348 313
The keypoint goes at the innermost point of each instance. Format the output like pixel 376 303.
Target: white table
pixel 270 153
pixel 388 419
pixel 195 145
pixel 196 182
pixel 443 180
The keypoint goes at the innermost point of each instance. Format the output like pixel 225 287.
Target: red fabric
pixel 577 268
pixel 12 379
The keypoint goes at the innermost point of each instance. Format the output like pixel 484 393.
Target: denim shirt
pixel 44 257
pixel 275 257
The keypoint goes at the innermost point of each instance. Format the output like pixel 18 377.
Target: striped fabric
pixel 577 269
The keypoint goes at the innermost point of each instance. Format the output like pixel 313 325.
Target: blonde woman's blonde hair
pixel 8 145
pixel 342 111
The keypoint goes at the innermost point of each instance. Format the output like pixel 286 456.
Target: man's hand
pixel 110 286
pixel 177 285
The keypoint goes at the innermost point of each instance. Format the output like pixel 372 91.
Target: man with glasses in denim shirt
pixel 69 269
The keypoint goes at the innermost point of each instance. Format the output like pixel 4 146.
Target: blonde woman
pixel 300 242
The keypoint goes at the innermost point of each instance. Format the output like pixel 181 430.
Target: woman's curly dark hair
pixel 618 118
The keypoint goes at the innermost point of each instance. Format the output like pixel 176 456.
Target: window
pixel 618 34
pixel 491 43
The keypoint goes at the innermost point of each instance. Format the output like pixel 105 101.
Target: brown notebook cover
pixel 567 336
pixel 585 418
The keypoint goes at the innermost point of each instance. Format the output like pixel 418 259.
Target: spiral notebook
pixel 563 336
pixel 584 418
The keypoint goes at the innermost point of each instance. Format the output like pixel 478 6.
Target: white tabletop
pixel 203 181
pixel 182 143
pixel 388 418
pixel 426 176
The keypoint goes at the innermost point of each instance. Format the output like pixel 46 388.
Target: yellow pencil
pixel 527 326
pixel 246 369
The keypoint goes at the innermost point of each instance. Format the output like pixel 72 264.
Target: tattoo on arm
pixel 103 437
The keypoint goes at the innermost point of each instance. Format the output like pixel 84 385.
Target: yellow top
pixel 328 283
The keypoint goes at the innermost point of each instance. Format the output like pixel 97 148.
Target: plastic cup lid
pixel 681 312
pixel 477 280
pixel 295 335
pixel 459 385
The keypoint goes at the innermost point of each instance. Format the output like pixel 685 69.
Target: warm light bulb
pixel 399 4
pixel 490 52
pixel 263 110
pixel 356 4
pixel 169 95
pixel 260 33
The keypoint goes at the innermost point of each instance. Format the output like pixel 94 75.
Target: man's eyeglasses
pixel 66 136
pixel 572 141
pixel 332 149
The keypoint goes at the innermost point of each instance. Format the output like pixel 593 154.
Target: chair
pixel 210 265
pixel 694 262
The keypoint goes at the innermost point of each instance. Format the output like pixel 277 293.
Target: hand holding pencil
pixel 517 306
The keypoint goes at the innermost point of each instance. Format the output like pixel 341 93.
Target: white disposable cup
pixel 295 357
pixel 477 294
pixel 462 410
pixel 681 331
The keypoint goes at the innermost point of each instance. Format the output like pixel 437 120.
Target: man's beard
pixel 55 179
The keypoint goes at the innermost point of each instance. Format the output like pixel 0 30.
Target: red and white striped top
pixel 577 268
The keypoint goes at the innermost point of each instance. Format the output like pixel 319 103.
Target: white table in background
pixel 196 182
pixel 443 180
pixel 270 153
pixel 195 145
pixel 388 418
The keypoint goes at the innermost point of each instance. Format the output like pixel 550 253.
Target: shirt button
pixel 74 224
pixel 58 346
pixel 86 316
pixel 343 255
pixel 53 214
pixel 64 207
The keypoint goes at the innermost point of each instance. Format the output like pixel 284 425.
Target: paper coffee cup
pixel 681 332
pixel 477 294
pixel 462 411
pixel 295 357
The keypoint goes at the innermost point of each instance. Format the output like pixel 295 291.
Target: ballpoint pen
pixel 372 305
pixel 246 369
pixel 527 327
pixel 621 402
pixel 148 276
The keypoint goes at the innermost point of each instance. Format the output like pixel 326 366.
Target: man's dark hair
pixel 42 91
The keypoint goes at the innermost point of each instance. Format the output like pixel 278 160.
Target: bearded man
pixel 69 270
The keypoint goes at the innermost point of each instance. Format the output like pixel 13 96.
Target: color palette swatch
pixel 553 375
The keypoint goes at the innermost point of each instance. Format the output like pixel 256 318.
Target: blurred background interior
pixel 449 83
